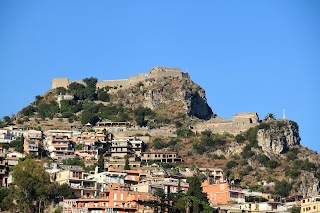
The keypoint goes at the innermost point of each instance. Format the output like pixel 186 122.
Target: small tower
pixel 284 115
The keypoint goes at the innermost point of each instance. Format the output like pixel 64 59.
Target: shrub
pixel 272 164
pixel 104 96
pixel 89 117
pixel 159 144
pixel 184 133
pixel 282 188
pixel 231 164
pixel 240 138
pixel 198 148
pixel 246 152
pixel 262 159
pixel 61 90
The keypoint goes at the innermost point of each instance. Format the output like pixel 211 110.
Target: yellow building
pixel 311 204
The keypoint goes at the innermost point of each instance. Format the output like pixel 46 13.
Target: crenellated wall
pixel 156 73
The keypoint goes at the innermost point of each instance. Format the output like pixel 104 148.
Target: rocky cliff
pixel 167 95
pixel 277 136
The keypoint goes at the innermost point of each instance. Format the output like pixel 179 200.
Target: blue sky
pixel 261 56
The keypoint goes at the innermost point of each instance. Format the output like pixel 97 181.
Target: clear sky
pixel 261 56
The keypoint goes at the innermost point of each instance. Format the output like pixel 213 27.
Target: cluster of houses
pixel 115 189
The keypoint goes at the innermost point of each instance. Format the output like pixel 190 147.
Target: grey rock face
pixel 197 105
pixel 309 184
pixel 278 137
pixel 191 96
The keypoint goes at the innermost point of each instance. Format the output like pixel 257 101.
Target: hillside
pixel 266 157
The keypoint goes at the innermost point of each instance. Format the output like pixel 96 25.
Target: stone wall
pixel 240 122
pixel 60 82
pixel 156 73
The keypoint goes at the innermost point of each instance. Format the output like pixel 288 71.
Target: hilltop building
pixel 240 123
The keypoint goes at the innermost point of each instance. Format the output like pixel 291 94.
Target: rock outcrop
pixel 171 95
pixel 310 184
pixel 277 136
pixel 197 105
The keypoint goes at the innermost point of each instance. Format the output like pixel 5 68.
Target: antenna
pixel 284 114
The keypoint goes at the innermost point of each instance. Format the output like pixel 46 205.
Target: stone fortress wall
pixel 156 73
pixel 240 122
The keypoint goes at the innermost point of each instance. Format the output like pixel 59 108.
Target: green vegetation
pixel 292 154
pixel 32 190
pixel 61 91
pixel 89 117
pixel 240 138
pixel 47 110
pixel 141 113
pixel 295 209
pixel 17 144
pixel 184 133
pixel 282 188
pixel 270 116
pixel 73 161
pixel 159 144
pixel 114 112
pixel 231 164
pixel 126 165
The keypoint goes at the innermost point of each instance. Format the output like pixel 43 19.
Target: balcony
pixel 3 171
pixel 33 149
pixel 2 163
pixel 60 145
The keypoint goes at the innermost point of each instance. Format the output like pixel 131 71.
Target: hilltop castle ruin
pixel 239 123
pixel 156 73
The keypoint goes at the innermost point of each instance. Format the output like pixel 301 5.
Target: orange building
pixel 217 193
pixel 119 200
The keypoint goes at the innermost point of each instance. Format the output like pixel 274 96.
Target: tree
pixel 32 187
pixel 192 204
pixel 160 201
pixel 295 209
pixel 7 119
pixel 61 91
pixel 91 82
pixel 126 165
pixel 101 163
pixel 88 117
pixel 159 144
pixel 3 193
pixel 140 113
pixel 103 96
pixel 18 144
pixel 90 90
pixel 195 189
pixel 282 188
pixel 270 116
